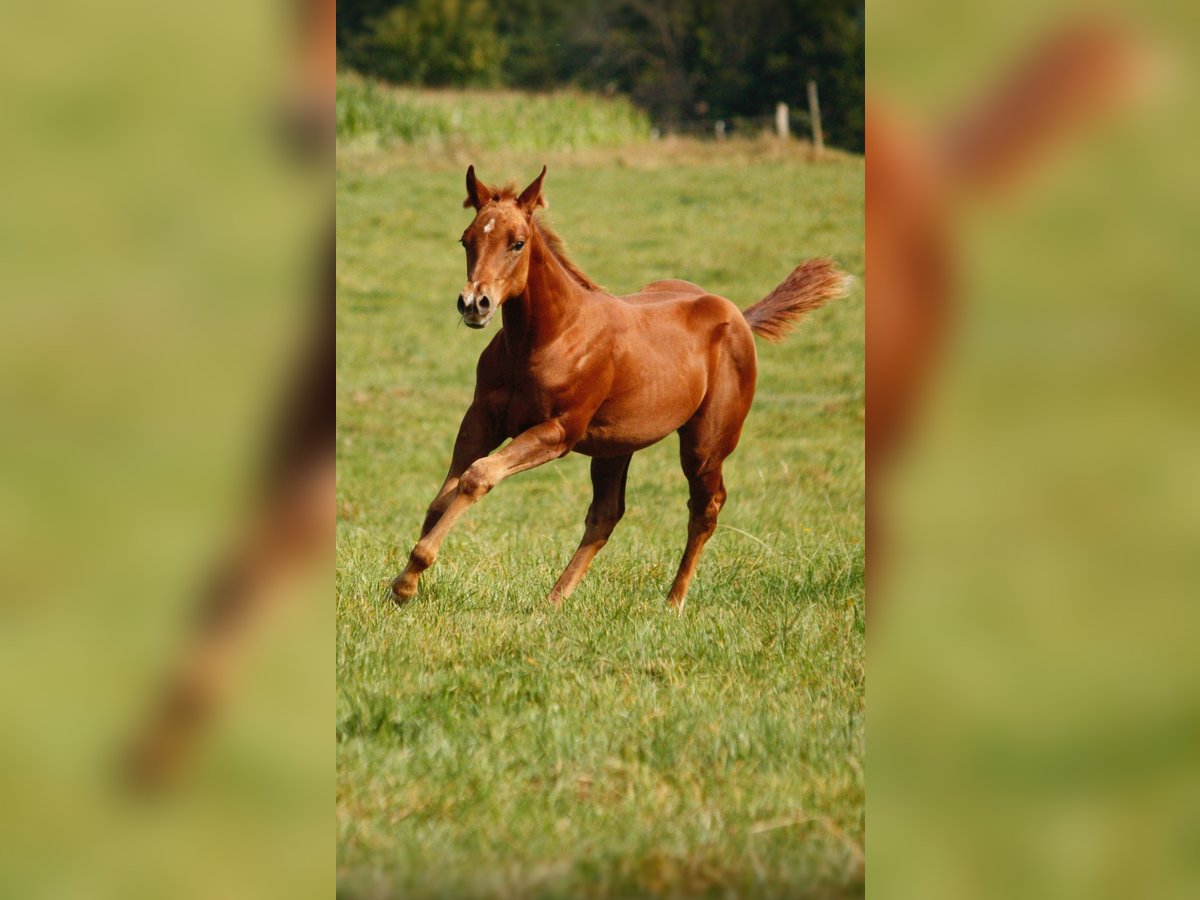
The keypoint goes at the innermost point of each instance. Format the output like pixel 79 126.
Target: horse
pixel 575 368
pixel 291 517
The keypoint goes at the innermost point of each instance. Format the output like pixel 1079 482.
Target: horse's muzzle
pixel 476 312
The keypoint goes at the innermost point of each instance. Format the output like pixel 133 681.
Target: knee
pixel 475 482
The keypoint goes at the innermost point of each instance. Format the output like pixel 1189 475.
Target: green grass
pixel 379 114
pixel 490 746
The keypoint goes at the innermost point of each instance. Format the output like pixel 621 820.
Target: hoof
pixel 403 590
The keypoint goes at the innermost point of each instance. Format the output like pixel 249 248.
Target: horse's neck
pixel 551 301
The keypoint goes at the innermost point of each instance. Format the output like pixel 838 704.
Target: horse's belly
pixel 601 442
pixel 641 416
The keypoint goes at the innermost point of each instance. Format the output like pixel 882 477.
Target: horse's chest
pixel 553 382
pixel 529 404
pixel 522 414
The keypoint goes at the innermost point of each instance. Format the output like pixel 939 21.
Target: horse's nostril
pixel 462 305
pixel 484 302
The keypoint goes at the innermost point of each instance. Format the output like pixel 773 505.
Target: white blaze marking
pixel 487 229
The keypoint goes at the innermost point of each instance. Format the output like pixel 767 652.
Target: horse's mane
pixel 553 241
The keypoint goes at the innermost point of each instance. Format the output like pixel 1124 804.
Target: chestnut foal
pixel 575 368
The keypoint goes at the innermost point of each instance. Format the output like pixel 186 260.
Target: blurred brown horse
pixel 919 180
pixel 575 368
pixel 289 525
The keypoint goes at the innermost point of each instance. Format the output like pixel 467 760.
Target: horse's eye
pixel 463 241
pixel 518 245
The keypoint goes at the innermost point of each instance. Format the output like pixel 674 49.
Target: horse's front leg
pixel 478 435
pixel 531 448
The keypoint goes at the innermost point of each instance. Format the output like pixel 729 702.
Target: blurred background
pixel 1033 566
pixel 686 64
pixel 162 233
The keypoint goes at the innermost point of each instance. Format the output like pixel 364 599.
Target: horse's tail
pixel 809 287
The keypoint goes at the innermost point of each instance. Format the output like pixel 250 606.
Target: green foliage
pixel 489 746
pixel 432 42
pixel 678 59
pixel 562 120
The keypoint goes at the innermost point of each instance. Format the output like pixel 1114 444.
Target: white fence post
pixel 781 120
pixel 814 114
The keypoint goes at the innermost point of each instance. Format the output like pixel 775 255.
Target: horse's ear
pixel 531 198
pixel 478 193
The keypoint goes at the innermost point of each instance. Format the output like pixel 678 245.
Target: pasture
pixel 490 746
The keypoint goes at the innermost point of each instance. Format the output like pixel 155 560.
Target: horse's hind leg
pixel 704 442
pixel 608 505
pixel 706 497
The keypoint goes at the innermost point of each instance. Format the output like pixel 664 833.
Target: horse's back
pixel 684 304
pixel 672 335
pixel 667 289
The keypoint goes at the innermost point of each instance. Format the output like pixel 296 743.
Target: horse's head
pixel 495 241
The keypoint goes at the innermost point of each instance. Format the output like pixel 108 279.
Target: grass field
pixel 376 114
pixel 491 746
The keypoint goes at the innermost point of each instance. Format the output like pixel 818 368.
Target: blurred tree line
pixel 680 60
